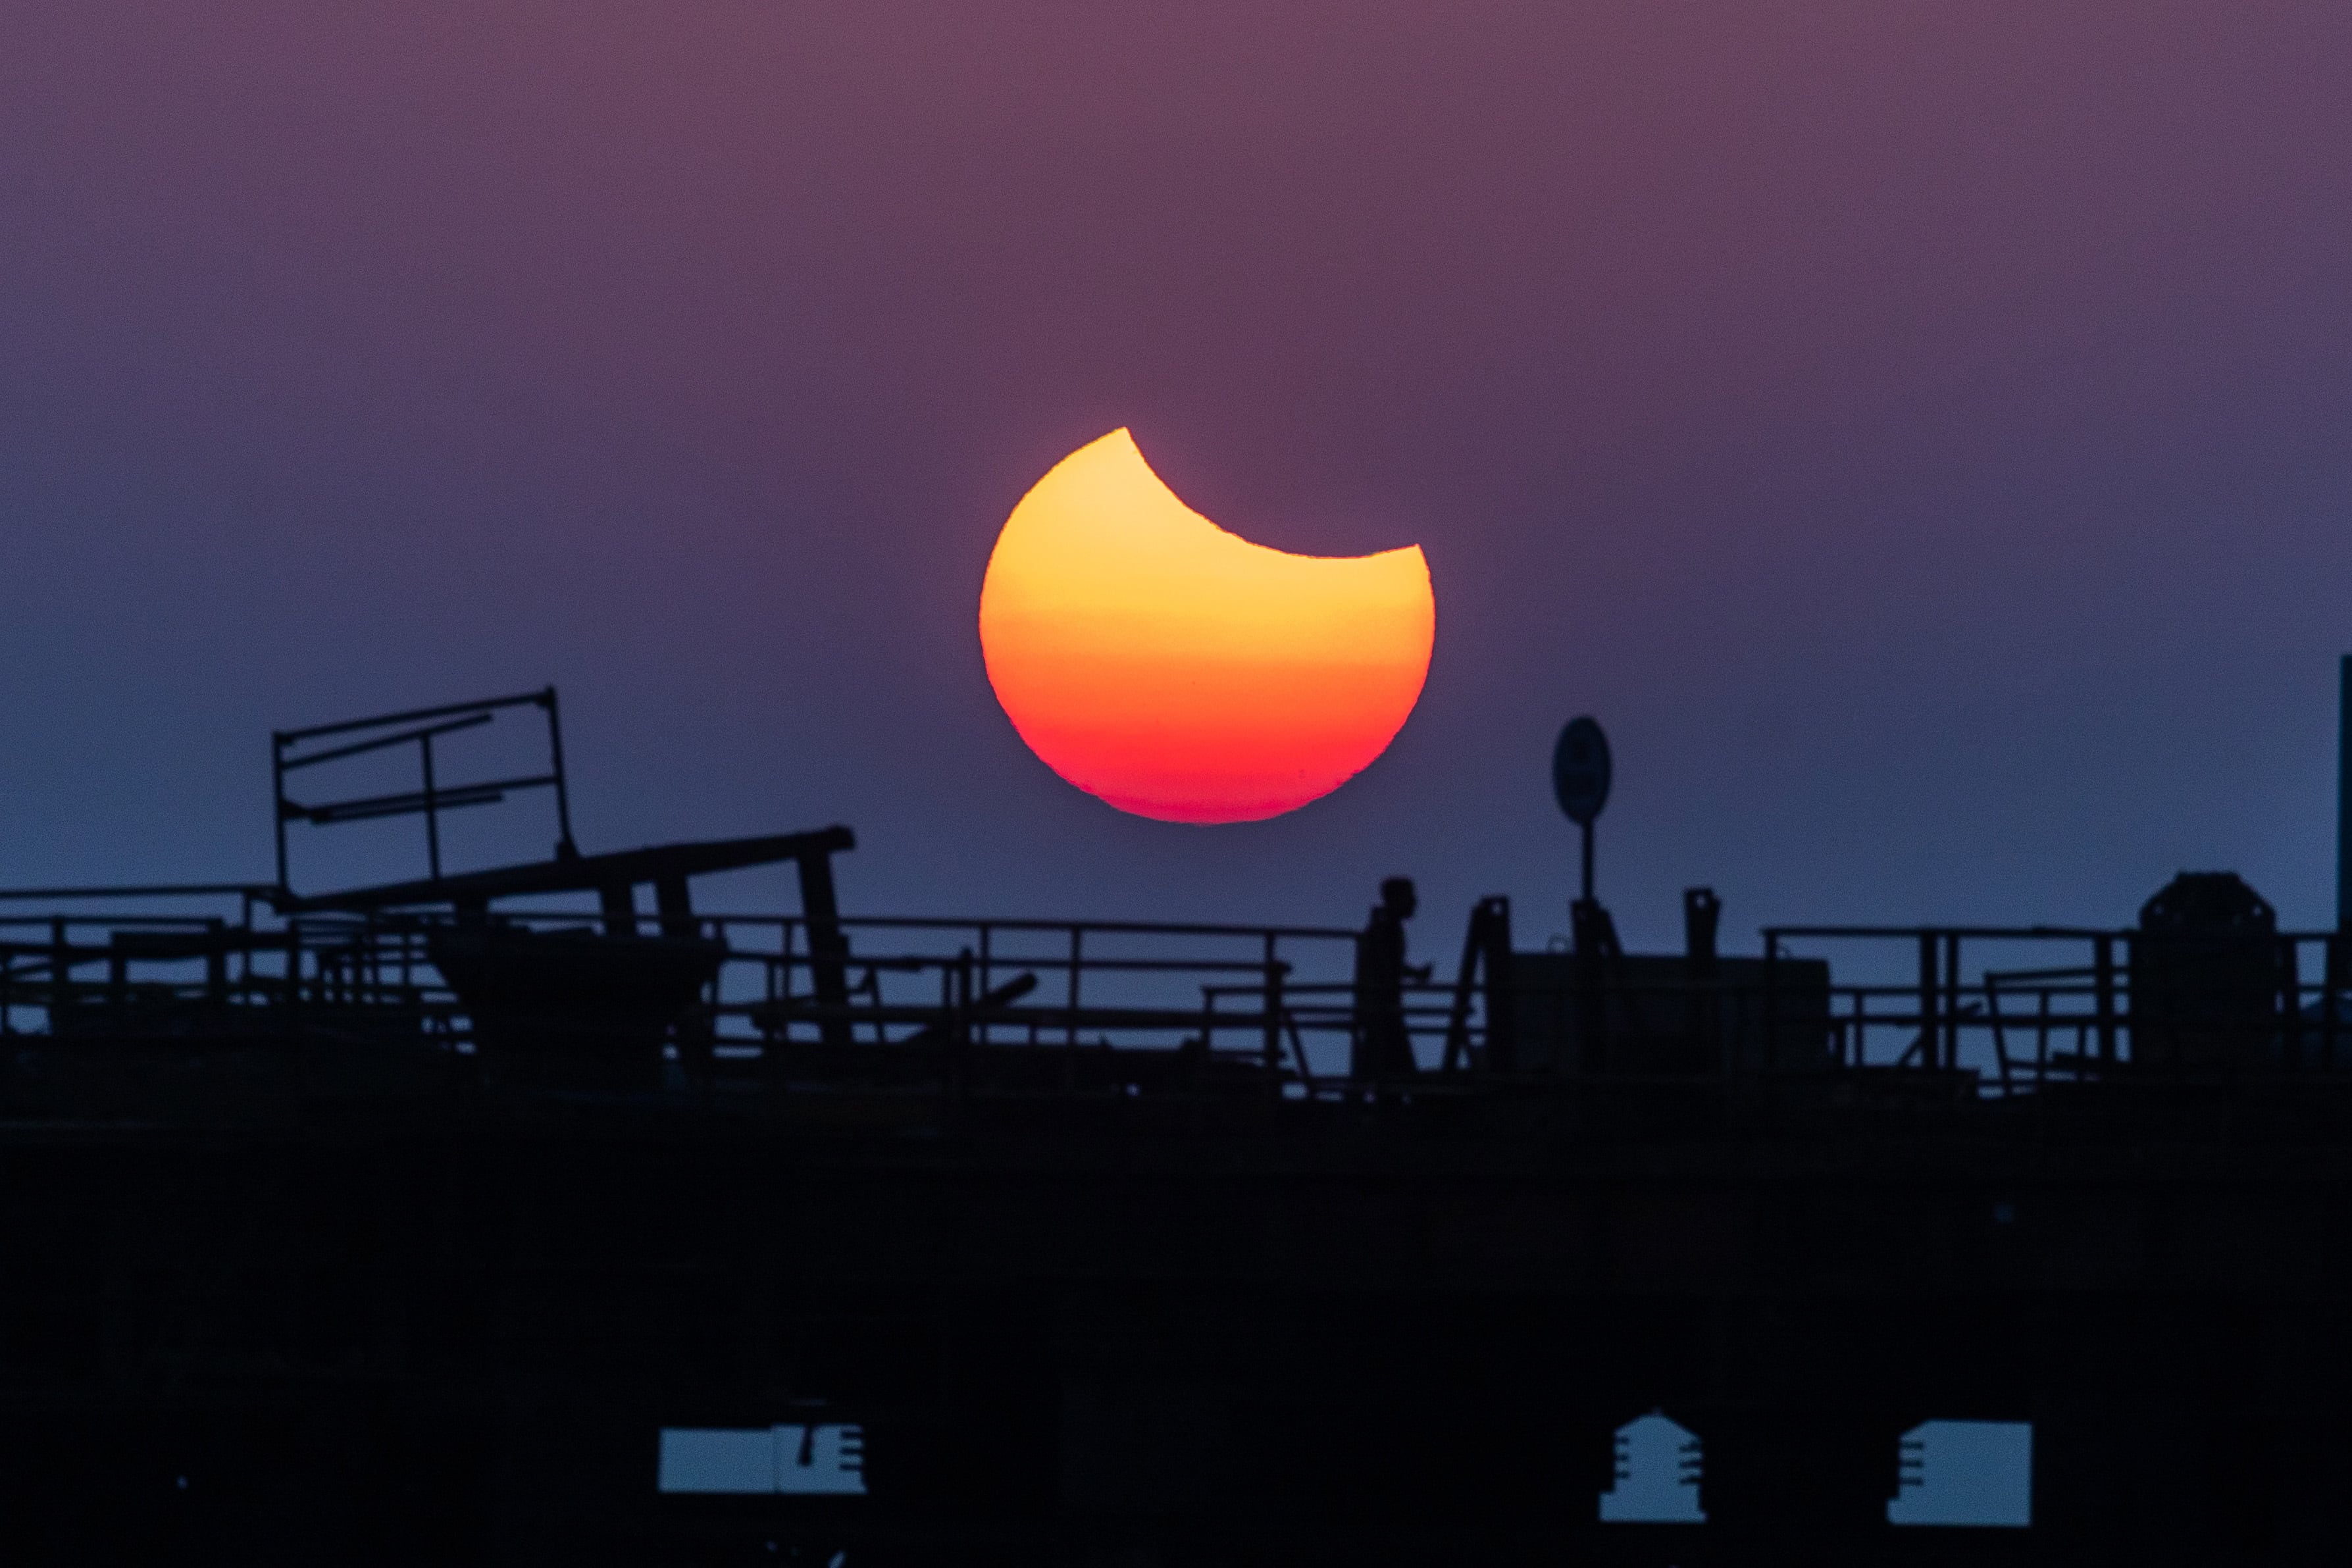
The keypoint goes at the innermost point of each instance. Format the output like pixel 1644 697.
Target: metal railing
pixel 1969 1011
pixel 2020 1008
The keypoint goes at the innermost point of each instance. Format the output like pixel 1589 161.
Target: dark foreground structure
pixel 514 1217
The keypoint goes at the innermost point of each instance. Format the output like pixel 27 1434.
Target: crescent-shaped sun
pixel 1181 672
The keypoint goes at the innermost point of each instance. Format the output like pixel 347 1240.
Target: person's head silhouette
pixel 1397 897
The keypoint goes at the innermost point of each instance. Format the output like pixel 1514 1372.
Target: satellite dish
pixel 1580 770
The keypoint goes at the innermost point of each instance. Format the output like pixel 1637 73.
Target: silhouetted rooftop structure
pixel 520 1228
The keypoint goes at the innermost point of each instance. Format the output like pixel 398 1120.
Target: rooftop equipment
pixel 554 1004
pixel 2207 974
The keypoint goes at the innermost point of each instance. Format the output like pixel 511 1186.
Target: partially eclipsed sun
pixel 1181 672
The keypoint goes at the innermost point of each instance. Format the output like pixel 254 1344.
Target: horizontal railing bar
pixel 799 1009
pixel 1981 933
pixel 381 743
pixel 916 963
pixel 2010 933
pixel 1062 927
pixel 151 890
pixel 287 737
pixel 373 810
pixel 2074 972
pixel 410 800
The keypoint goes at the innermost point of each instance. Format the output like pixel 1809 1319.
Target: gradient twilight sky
pixel 1920 431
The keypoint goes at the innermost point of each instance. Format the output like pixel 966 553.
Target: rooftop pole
pixel 2344 802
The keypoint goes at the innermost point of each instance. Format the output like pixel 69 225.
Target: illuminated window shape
pixel 826 1461
pixel 815 1460
pixel 1658 1467
pixel 704 1460
pixel 1966 1473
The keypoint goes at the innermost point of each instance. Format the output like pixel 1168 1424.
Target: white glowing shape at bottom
pixel 798 1460
pixel 1966 1473
pixel 1658 1463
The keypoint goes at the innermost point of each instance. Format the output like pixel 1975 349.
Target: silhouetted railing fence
pixel 1988 1012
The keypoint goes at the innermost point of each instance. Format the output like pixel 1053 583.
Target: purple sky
pixel 1919 431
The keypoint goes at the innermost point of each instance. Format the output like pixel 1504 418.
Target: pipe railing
pixel 1990 1011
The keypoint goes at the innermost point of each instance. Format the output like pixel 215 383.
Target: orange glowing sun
pixel 1181 672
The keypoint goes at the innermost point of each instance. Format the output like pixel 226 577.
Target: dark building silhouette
pixel 496 1216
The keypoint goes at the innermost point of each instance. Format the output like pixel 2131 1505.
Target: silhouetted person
pixel 1383 1048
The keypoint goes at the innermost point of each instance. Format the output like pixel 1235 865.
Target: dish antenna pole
pixel 1579 778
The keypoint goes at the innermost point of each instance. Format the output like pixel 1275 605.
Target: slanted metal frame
pixel 286 755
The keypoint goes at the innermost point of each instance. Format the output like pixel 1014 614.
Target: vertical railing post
pixel 1273 970
pixel 61 997
pixel 555 763
pixel 293 975
pixel 791 961
pixel 277 811
pixel 431 807
pixel 370 962
pixel 1501 1002
pixel 1952 1000
pixel 2330 997
pixel 987 973
pixel 828 947
pixel 2041 1039
pixel 960 1037
pixel 2291 996
pixel 1928 1027
pixel 2103 980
